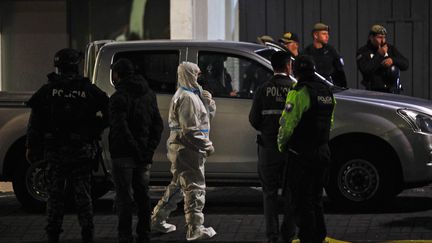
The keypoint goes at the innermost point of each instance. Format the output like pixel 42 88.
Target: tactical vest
pixel 313 129
pixel 71 109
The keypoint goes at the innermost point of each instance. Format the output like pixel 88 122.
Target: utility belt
pixel 52 138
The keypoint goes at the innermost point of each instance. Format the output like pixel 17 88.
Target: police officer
pixel 291 42
pixel 67 116
pixel 268 104
pixel 304 132
pixel 327 60
pixel 380 63
pixel 135 132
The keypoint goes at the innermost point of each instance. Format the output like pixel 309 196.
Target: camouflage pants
pixel 65 166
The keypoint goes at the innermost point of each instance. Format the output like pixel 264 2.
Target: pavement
pixel 236 215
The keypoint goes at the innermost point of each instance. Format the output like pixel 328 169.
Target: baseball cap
pixel 377 30
pixel 289 37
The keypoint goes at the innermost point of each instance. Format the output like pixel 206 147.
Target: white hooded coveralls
pixel 188 146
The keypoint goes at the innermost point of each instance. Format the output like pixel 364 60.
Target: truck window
pixel 228 75
pixel 159 68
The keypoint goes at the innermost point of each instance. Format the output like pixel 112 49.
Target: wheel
pixel 29 184
pixel 360 179
pixel 30 187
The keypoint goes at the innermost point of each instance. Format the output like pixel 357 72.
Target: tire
pixel 30 187
pixel 362 179
pixel 29 184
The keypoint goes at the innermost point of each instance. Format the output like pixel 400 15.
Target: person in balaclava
pixel 188 145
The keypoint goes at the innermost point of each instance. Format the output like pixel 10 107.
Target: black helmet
pixel 66 58
pixel 304 66
pixel 123 67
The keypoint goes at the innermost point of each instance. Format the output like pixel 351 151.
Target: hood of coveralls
pixel 188 75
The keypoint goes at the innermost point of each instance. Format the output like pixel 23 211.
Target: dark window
pixel 159 68
pixel 228 75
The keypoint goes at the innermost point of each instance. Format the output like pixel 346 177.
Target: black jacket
pixel 313 129
pixel 374 73
pixel 135 123
pixel 67 108
pixel 267 107
pixel 328 63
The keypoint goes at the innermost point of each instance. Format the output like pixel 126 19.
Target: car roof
pixel 242 46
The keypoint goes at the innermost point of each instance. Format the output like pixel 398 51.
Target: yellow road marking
pixel 327 240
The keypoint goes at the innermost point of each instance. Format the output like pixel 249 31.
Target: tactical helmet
pixel 304 65
pixel 123 67
pixel 66 58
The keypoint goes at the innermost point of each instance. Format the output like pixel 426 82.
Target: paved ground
pixel 236 215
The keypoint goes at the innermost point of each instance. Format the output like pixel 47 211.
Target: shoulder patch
pixel 289 107
pixel 341 61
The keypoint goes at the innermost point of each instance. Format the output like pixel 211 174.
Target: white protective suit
pixel 188 145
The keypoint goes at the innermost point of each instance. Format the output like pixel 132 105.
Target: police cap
pixel 123 67
pixel 264 38
pixel 289 37
pixel 67 57
pixel 377 30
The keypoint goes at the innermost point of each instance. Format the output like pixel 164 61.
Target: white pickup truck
pixel 381 143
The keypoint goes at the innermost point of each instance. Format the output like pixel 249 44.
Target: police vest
pixel 71 108
pixel 313 129
pixel 273 95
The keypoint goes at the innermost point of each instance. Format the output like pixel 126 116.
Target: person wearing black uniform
pixel 304 132
pixel 264 115
pixel 327 60
pixel 67 117
pixel 135 132
pixel 380 63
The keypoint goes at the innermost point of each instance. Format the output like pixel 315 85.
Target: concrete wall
pixel 204 19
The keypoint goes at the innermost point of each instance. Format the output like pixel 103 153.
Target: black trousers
pixel 132 187
pixel 308 174
pixel 272 168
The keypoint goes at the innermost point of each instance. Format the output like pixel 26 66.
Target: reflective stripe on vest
pixel 271 112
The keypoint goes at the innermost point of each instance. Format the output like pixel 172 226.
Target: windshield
pixel 266 52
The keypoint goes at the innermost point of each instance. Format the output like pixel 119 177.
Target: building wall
pixel 407 21
pixel 31 33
